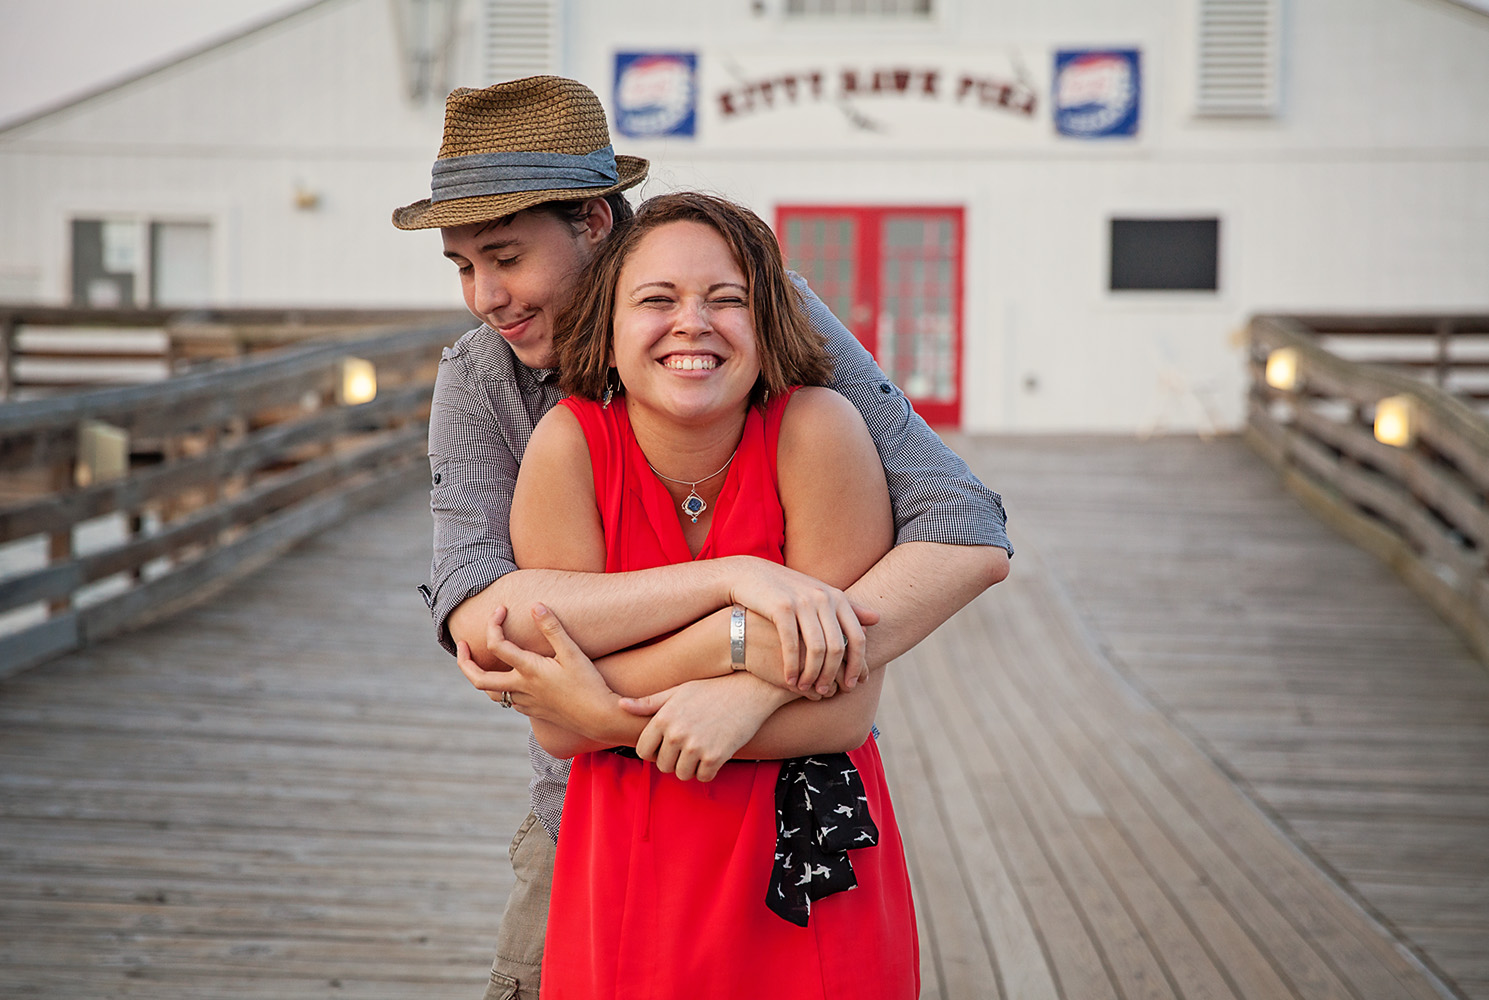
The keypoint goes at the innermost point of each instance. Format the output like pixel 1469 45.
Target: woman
pixel 686 438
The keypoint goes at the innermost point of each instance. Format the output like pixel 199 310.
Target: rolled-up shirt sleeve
pixel 935 496
pixel 473 462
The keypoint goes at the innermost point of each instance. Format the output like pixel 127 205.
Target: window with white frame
pixel 124 261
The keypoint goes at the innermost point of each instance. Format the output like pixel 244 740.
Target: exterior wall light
pixel 358 382
pixel 1282 369
pixel 103 453
pixel 1393 421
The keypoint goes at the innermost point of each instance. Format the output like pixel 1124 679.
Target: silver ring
pixel 506 701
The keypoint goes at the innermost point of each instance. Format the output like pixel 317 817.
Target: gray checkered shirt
pixel 486 404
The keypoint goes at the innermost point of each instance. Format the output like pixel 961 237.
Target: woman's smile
pixel 691 362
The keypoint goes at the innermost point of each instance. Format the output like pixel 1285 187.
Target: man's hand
pixel 820 629
pixel 698 726
pixel 551 689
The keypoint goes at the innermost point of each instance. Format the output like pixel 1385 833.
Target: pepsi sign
pixel 1097 93
pixel 656 94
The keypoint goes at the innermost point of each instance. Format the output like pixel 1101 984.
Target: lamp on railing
pixel 1282 369
pixel 1393 421
pixel 358 382
pixel 103 453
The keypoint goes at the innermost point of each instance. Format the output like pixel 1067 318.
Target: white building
pixel 1051 216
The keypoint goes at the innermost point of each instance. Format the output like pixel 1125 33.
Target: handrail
pixel 1418 504
pixel 60 348
pixel 215 472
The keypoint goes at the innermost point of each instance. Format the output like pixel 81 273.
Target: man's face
pixel 519 274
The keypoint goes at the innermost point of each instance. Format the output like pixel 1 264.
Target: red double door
pixel 894 277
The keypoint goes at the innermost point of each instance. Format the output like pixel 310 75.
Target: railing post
pixel 9 325
pixel 59 543
pixel 1444 359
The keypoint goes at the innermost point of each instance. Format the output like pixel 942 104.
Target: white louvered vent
pixel 520 38
pixel 1239 58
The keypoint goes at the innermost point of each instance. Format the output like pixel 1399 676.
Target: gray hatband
pixel 503 173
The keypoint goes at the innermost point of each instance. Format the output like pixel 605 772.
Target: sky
pixel 53 50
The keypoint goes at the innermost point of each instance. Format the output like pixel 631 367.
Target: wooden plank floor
pixel 1316 680
pixel 286 792
pixel 290 792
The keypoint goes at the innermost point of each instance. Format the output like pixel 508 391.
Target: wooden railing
pixel 1450 352
pixel 45 350
pixel 1419 504
pixel 119 505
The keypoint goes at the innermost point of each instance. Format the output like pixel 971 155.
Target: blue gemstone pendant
pixel 693 505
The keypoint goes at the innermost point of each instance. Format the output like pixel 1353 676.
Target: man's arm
pixel 951 541
pixel 616 611
pixel 917 586
pixel 484 410
pixel 950 528
pixel 823 445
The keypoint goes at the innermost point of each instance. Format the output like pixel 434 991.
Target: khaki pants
pixel 519 941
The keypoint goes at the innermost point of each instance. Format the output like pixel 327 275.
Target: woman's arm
pixel 838 524
pixel 830 478
pixel 556 526
pixel 609 612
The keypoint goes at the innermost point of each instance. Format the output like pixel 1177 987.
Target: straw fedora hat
pixel 519 144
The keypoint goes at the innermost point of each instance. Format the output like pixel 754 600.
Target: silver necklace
pixel 692 504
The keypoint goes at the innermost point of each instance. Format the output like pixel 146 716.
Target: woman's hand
pixel 696 727
pixel 820 630
pixel 557 689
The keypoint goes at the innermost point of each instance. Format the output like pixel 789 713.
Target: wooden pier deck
pixel 1195 746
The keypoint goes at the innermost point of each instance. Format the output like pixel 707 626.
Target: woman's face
pixel 684 341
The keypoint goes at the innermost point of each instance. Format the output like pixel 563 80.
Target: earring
pixel 608 395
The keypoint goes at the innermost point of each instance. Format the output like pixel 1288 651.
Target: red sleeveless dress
pixel 659 889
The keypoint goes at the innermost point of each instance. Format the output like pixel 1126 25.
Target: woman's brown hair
pixel 790 351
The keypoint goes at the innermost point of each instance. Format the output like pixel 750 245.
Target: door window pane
pixel 823 249
pixel 917 328
pixel 893 276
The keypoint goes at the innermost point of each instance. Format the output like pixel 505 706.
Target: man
pixel 525 188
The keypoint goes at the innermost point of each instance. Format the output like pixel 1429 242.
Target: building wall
pixel 1369 190
pixel 314 105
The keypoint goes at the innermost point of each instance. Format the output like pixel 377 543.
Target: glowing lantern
pixel 1282 369
pixel 103 453
pixel 358 382
pixel 1393 421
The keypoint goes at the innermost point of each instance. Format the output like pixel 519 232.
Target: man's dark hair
pixel 575 212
